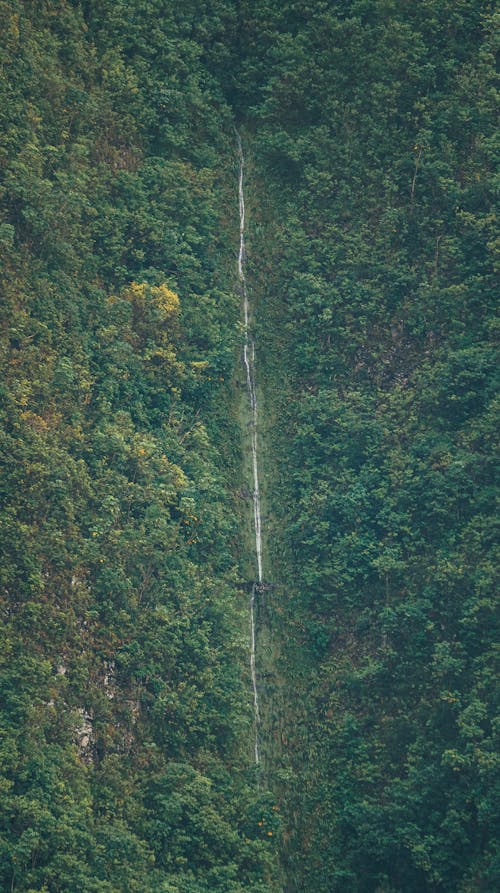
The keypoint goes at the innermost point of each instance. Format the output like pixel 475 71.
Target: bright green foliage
pixel 125 708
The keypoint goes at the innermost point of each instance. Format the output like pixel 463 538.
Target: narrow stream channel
pixel 249 364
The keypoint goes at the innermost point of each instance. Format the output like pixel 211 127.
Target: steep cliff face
pixel 133 679
pixel 125 680
pixel 374 270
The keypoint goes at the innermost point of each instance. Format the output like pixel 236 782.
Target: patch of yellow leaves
pixel 161 296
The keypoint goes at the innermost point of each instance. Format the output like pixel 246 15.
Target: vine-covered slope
pixel 374 145
pixel 125 702
pixel 126 718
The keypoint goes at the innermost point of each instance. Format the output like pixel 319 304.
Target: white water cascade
pixel 249 364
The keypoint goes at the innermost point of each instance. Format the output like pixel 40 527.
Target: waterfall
pixel 249 365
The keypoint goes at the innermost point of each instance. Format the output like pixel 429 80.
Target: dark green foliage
pixel 374 146
pixel 369 133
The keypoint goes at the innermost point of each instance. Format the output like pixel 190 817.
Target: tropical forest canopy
pixel 126 726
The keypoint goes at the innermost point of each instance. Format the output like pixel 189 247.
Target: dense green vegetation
pixel 125 720
pixel 374 144
pixel 123 657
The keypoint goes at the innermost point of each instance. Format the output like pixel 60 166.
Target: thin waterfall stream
pixel 249 365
